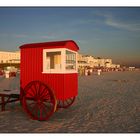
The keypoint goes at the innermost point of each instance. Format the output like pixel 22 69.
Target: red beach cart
pixel 49 77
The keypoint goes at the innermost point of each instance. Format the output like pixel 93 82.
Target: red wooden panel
pixel 70 85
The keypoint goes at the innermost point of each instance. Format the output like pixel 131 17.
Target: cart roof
pixel 54 44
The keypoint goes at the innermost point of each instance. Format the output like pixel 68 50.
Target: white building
pixel 94 62
pixel 101 62
pixel 9 57
pixel 83 64
pixel 82 61
pixel 87 60
pixel 115 66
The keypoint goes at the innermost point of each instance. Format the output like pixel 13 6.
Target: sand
pixel 106 103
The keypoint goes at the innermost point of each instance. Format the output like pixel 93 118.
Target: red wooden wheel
pixel 65 103
pixel 38 101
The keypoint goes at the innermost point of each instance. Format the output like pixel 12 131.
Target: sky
pixel 106 32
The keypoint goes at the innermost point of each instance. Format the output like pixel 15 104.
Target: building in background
pixel 102 62
pixel 115 66
pixel 9 57
pixel 82 61
pixel 90 61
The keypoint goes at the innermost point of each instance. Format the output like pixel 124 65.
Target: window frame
pixel 70 59
pixel 63 69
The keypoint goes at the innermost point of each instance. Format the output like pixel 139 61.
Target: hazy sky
pixel 101 32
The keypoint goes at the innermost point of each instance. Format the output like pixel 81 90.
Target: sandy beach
pixel 106 103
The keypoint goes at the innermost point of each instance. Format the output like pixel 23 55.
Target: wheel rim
pixel 38 101
pixel 65 103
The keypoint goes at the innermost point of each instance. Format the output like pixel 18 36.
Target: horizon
pixel 101 32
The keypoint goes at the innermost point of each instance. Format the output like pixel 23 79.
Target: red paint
pixel 63 85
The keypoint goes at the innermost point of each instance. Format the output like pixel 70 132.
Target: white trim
pixel 63 62
pixel 60 72
pixel 63 54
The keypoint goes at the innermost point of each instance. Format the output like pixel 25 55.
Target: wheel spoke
pixel 43 105
pixel 44 109
pixel 36 112
pixel 28 93
pixel 33 109
pixel 40 111
pixel 35 87
pixel 46 104
pixel 46 97
pixel 39 89
pixel 32 90
pixel 43 91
